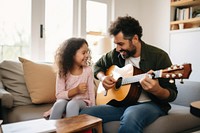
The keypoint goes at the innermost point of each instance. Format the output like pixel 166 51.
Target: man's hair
pixel 128 26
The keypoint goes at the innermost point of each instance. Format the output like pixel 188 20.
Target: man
pixel 155 94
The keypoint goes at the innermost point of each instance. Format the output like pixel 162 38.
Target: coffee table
pixel 66 125
pixel 78 123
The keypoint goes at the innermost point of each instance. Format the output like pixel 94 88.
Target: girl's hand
pixel 82 88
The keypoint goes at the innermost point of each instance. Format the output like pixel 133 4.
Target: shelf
pixel 185 3
pixel 185 30
pixel 185 24
pixel 192 21
pixel 182 11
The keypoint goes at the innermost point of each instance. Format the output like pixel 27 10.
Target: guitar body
pixel 125 95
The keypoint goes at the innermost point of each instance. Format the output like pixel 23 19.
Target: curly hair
pixel 64 54
pixel 128 26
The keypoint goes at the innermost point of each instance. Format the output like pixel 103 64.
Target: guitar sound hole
pixel 118 83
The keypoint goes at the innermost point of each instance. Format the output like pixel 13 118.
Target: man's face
pixel 125 47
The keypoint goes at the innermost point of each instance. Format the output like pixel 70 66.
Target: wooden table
pixel 78 123
pixel 75 124
pixel 195 108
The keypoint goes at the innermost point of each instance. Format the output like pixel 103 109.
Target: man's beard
pixel 128 53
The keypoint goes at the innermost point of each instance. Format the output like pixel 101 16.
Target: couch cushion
pixel 12 77
pixel 28 112
pixel 40 80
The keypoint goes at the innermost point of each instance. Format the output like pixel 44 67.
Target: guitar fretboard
pixel 136 78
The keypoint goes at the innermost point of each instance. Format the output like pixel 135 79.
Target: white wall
pixel 184 48
pixel 126 7
pixel 154 17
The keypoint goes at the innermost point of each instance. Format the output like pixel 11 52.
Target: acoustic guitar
pixel 127 88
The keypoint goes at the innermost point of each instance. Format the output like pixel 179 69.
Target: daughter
pixel 74 83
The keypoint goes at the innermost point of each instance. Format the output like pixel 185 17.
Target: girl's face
pixel 81 56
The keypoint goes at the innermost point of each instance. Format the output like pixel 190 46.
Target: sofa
pixel 27 90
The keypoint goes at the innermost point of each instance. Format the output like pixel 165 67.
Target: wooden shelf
pixel 192 21
pixel 185 24
pixel 182 10
pixel 185 3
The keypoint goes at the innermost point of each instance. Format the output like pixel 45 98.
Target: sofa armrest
pixel 6 98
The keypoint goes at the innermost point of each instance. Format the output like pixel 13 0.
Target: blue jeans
pixel 132 119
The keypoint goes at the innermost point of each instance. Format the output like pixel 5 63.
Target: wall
pixel 126 7
pixel 184 48
pixel 154 16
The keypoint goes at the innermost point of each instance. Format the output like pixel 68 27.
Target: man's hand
pixel 149 84
pixel 152 86
pixel 108 82
pixel 82 88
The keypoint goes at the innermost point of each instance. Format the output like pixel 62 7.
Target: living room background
pixel 74 22
pixel 90 19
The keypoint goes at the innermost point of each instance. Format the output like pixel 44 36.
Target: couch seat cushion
pixel 27 112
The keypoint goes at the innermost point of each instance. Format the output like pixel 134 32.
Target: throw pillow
pixel 40 80
pixel 12 77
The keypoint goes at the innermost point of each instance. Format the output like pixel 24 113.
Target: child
pixel 74 83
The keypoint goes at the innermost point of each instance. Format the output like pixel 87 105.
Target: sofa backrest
pixel 12 77
pixel 188 92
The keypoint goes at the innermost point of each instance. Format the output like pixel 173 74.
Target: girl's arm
pixel 80 89
pixel 91 88
pixel 61 92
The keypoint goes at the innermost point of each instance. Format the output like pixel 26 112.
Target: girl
pixel 74 83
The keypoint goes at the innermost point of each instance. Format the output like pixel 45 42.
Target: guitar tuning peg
pixel 180 75
pixel 174 67
pixel 173 75
pixel 181 81
pixel 169 68
pixel 181 67
pixel 167 75
pixel 171 81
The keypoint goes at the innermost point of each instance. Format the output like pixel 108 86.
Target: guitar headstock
pixel 177 71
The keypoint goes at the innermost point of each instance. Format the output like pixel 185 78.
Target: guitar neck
pixel 136 78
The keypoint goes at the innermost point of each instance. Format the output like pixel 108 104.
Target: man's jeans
pixel 132 119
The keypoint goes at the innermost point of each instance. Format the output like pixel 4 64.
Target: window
pixel 15 29
pixel 58 25
pixel 21 22
pixel 97 28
